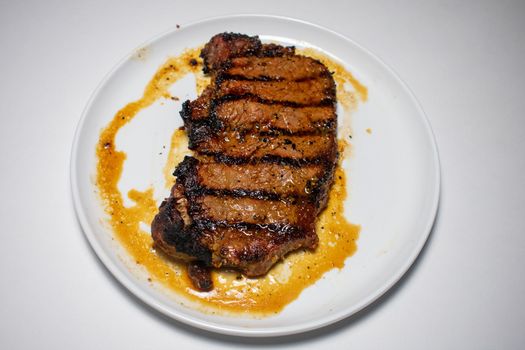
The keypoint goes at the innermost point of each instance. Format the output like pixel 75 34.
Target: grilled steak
pixel 264 137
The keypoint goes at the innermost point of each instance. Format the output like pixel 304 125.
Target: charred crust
pixel 188 241
pixel 202 130
pixel 269 158
pixel 168 231
pixel 186 168
pixel 274 50
pixel 222 76
pixel 185 113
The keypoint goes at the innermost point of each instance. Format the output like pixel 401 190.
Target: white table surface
pixel 465 61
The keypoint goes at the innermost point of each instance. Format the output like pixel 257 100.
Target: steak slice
pixel 306 93
pixel 227 210
pixel 275 68
pixel 249 114
pixel 260 181
pixel 225 46
pixel 264 137
pixel 233 146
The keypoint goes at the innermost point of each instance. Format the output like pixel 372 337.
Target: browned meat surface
pixel 265 150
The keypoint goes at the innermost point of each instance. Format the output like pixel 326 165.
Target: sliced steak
pixel 264 137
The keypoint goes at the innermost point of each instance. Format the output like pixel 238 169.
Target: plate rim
pixel 235 330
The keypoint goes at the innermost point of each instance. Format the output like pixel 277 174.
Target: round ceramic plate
pixel 393 174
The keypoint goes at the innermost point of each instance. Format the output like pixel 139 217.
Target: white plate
pixel 393 174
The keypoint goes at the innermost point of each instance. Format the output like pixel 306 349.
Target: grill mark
pixel 231 97
pixel 243 193
pixel 226 76
pixel 293 198
pixel 261 195
pixel 296 162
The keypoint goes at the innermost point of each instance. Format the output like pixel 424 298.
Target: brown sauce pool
pixel 233 293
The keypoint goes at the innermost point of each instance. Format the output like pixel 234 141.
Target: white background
pixel 465 62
